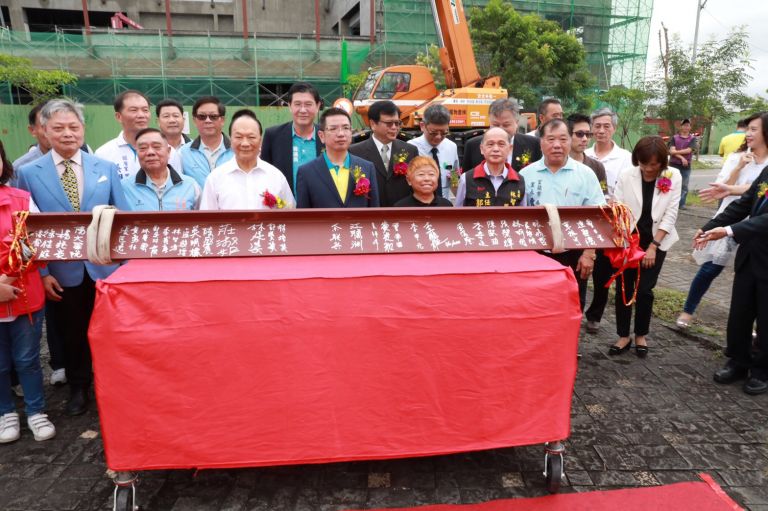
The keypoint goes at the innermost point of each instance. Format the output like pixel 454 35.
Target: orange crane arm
pixel 456 54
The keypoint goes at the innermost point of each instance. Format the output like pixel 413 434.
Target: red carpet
pixel 697 496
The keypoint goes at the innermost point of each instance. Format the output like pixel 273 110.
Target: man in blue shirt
pixel 157 186
pixel 560 180
pixel 211 148
pixel 289 146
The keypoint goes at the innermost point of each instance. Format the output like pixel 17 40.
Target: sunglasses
pixel 583 134
pixel 203 117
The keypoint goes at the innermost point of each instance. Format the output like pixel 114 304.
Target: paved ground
pixel 634 423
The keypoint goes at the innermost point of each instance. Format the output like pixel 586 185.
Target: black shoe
pixel 730 373
pixel 617 350
pixel 78 402
pixel 755 386
pixel 641 351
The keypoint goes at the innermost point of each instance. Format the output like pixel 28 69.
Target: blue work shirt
pixel 573 185
pixel 303 150
pixel 179 192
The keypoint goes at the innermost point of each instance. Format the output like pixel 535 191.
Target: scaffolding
pixel 258 71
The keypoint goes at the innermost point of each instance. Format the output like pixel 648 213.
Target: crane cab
pixel 409 87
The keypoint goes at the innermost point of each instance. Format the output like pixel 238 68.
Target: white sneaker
pixel 41 427
pixel 18 390
pixel 9 427
pixel 58 377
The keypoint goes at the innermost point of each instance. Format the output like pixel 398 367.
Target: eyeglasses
pixel 338 129
pixel 583 134
pixel 390 124
pixel 203 117
pixel 435 133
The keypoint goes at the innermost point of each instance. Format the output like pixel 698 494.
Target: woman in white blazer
pixel 651 190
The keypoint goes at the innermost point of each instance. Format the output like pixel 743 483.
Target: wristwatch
pixel 658 244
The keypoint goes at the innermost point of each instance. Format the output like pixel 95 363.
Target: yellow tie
pixel 69 182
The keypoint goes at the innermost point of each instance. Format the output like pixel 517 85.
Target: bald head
pixel 495 132
pixel 495 148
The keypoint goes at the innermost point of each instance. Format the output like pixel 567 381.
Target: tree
pixel 709 87
pixel 431 60
pixel 630 105
pixel 40 84
pixel 534 57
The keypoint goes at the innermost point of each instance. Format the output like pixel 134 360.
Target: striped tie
pixel 69 182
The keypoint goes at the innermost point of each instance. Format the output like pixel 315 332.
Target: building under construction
pixel 249 51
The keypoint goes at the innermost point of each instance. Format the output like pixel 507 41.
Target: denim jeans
pixel 699 285
pixel 20 349
pixel 686 174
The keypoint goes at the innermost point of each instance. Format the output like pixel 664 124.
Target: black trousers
pixel 571 259
pixel 600 276
pixel 749 301
pixel 644 304
pixel 72 316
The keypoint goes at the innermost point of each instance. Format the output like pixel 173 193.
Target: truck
pixel 412 88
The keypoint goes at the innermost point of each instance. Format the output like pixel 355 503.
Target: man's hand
pixel 716 191
pixel 52 288
pixel 702 238
pixel 683 159
pixel 8 292
pixel 585 265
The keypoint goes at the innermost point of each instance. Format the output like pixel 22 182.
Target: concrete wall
pixel 338 9
pixel 264 16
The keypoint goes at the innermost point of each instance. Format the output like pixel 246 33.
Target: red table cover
pixel 271 361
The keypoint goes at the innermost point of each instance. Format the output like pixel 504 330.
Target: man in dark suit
pixel 336 179
pixel 289 146
pixel 389 155
pixel 67 179
pixel 746 220
pixel 504 114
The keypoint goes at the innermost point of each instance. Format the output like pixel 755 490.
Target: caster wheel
pixel 124 499
pixel 553 472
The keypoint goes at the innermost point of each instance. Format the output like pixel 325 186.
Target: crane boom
pixel 457 57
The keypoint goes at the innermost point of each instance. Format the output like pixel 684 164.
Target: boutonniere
pixel 271 201
pixel 664 181
pixel 524 159
pixel 362 185
pixel 761 190
pixel 400 167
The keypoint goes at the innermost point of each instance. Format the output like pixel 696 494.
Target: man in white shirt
pixel 605 150
pixel 132 112
pixel 246 181
pixel 549 109
pixel 614 159
pixel 434 143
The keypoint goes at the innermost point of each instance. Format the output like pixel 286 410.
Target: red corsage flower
pixel 401 169
pixel 362 186
pixel 664 182
pixel 271 201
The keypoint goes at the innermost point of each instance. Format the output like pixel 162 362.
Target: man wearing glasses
pixel 581 133
pixel 434 143
pixel 211 148
pixel 336 178
pixel 389 155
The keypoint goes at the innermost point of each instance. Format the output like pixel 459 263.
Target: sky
pixel 717 18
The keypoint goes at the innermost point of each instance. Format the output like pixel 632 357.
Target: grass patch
pixel 693 199
pixel 701 165
pixel 668 303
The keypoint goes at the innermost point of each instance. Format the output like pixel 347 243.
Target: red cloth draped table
pixel 311 359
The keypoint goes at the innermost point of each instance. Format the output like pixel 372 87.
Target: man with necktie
pixel 67 179
pixel 434 143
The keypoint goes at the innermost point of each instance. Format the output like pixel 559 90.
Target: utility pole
pixel 700 4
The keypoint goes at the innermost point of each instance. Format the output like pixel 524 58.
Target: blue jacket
pixel 316 189
pixel 181 193
pixel 101 187
pixel 195 164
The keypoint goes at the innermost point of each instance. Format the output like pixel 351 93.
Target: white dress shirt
pixel 230 187
pixel 614 162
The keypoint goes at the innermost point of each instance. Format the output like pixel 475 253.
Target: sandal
pixel 683 323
